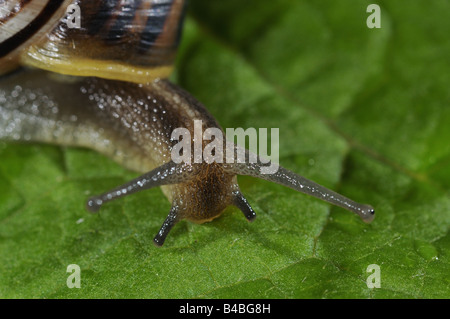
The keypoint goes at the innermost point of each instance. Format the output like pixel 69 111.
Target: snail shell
pixel 22 23
pixel 133 41
pixel 120 105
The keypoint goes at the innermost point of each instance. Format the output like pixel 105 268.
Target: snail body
pixel 121 105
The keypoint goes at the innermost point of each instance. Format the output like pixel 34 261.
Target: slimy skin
pixel 133 123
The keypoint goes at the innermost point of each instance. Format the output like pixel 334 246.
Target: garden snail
pixel 116 100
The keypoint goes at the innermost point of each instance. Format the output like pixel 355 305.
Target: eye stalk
pixel 301 184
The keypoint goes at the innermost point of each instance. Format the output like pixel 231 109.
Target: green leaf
pixel 362 111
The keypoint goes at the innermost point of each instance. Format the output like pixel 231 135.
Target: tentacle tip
pixel 93 204
pixel 158 241
pixel 240 202
pixel 251 218
pixel 367 214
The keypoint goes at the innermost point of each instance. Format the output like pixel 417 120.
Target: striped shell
pixel 129 40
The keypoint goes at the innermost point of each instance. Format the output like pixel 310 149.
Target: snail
pixel 104 86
